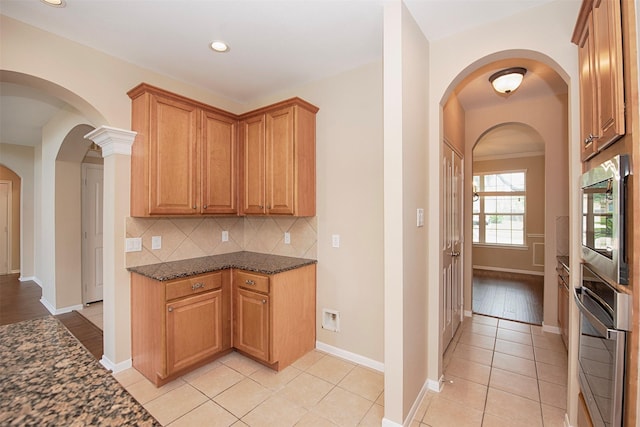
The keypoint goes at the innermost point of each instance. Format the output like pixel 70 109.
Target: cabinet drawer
pixel 252 281
pixel 193 285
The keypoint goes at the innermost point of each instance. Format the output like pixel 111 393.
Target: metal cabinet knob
pixel 249 282
pixel 264 301
pixel 170 309
pixel 205 206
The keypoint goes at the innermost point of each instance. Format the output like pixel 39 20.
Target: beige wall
pixel 68 242
pixel 453 124
pixel 518 260
pixel 20 159
pixel 7 174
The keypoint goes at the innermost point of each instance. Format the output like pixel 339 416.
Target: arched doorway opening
pixel 52 184
pixel 508 210
pixel 471 108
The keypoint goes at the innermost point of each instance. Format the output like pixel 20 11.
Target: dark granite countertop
pixel 250 261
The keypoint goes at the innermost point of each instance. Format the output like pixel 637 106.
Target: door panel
pixel 451 216
pixel 92 233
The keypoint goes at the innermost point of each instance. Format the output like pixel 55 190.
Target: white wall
pixel 20 159
pixel 406 67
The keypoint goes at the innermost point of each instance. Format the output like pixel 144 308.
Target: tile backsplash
pixel 184 238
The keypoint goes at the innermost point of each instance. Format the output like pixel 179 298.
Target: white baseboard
pixel 468 313
pixel 56 311
pixel 14 271
pixel 551 329
pixel 352 357
pixel 389 423
pixel 115 367
pixel 48 306
pixel 509 270
pixel 434 385
pixel 30 279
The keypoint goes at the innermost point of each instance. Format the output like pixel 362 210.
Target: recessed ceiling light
pixel 55 3
pixel 219 46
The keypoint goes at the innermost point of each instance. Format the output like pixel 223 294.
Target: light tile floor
pixel 499 373
pixel 317 390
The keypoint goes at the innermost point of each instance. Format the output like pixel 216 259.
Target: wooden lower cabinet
pixel 274 316
pixel 179 324
pixel 251 334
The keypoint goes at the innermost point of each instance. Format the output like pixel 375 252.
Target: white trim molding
pixel 112 140
pixel 115 367
pixel 352 357
pixel 56 311
pixel 551 329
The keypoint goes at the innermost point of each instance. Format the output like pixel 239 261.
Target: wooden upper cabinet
pixel 598 34
pixel 278 159
pixel 219 160
pixel 190 158
pixel 183 160
pixel 253 164
pixel 608 30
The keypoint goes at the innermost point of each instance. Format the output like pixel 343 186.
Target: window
pixel 498 212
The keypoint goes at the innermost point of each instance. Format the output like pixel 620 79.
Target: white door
pixel 92 185
pixel 5 203
pixel 451 215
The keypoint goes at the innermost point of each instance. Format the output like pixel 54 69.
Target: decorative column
pixel 116 151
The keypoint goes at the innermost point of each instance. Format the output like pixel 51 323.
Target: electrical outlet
pixel 225 236
pixel 420 217
pixel 133 244
pixel 287 238
pixel 156 242
pixel 335 240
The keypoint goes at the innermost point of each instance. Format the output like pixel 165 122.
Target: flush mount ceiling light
pixel 219 46
pixel 506 81
pixel 55 3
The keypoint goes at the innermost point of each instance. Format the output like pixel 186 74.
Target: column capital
pixel 112 140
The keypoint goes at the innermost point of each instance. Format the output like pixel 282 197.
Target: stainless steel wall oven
pixel 604 319
pixel 604 193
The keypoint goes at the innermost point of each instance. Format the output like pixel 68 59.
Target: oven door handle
pixel 595 322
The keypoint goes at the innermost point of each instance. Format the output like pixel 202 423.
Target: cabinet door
pixel 172 151
pixel 253 165
pixel 588 108
pixel 251 323
pixel 281 165
pixel 194 330
pixel 219 158
pixel 608 59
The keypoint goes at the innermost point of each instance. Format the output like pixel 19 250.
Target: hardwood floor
pixel 20 301
pixel 509 296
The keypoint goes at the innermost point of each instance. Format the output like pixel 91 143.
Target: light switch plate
pixel 156 242
pixel 225 236
pixel 133 244
pixel 287 238
pixel 335 240
pixel 420 217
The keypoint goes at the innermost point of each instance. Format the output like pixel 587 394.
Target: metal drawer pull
pixel 197 286
pixel 249 282
pixel 170 309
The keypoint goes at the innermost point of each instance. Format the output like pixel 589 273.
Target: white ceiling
pixel 275 44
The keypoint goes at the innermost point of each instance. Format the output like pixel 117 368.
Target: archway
pixel 61 140
pixel 508 209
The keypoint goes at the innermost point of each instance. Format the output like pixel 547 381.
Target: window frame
pixel 482 215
